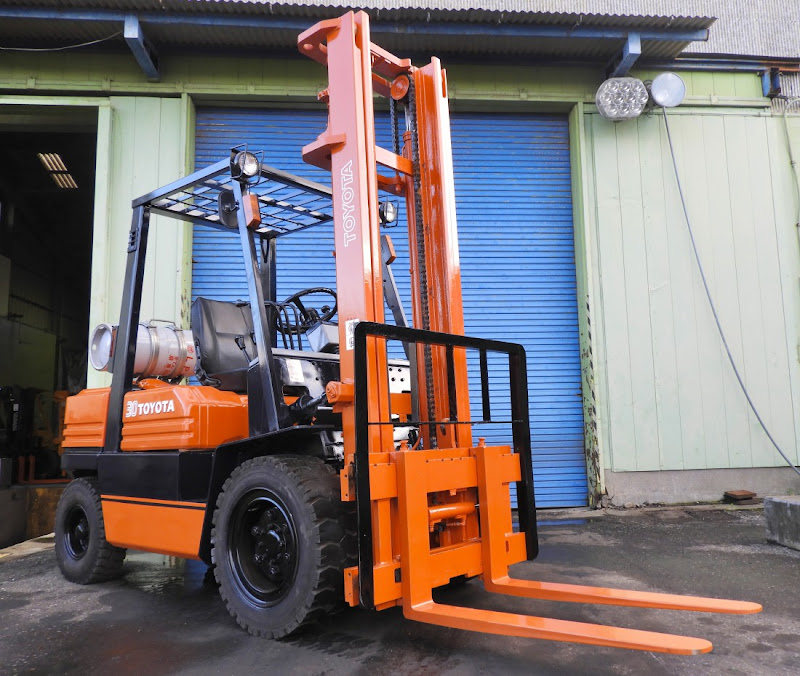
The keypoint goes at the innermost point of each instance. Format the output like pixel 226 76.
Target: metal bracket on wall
pixel 622 63
pixel 142 48
pixel 771 82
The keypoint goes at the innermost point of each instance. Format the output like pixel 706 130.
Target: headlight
pixel 245 164
pixel 387 212
pixel 621 98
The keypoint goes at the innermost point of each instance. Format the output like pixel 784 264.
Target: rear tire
pixel 280 542
pixel 82 551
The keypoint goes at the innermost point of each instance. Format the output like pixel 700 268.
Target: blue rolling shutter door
pixel 514 209
pixel 517 257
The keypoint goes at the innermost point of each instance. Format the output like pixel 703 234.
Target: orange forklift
pixel 314 467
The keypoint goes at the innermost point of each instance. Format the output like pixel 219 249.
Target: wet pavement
pixel 161 619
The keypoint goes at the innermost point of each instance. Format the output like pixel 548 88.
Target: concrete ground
pixel 160 618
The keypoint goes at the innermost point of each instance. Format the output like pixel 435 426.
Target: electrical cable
pixel 788 104
pixel 711 301
pixel 59 49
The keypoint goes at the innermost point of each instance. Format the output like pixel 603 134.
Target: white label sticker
pixel 350 331
pixel 295 369
pixel 348 203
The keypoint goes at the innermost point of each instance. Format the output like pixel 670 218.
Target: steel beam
pixel 378 27
pixel 631 51
pixel 771 82
pixel 143 51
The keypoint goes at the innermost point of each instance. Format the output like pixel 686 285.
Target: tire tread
pixel 334 544
pixel 108 561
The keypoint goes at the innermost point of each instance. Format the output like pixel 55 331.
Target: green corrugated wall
pixel 668 396
pixel 144 143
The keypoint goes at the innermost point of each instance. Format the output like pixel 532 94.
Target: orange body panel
pixel 182 417
pixel 164 417
pixel 401 404
pixel 85 418
pixel 161 526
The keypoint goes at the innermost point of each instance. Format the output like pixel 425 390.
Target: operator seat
pixel 221 329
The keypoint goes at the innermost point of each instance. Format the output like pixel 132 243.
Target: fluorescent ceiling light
pixel 58 171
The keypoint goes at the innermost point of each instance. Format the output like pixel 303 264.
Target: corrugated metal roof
pixel 26 32
pixel 599 7
pixel 745 28
pixel 505 11
pixel 769 28
pixel 491 11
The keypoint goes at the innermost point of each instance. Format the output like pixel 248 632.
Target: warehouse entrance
pixel 47 179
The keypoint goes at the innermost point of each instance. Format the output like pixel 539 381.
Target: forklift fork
pixel 496 467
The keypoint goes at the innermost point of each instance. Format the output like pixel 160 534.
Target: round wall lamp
pixel 668 90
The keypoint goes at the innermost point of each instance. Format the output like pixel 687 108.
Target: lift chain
pixel 421 263
pixel 393 124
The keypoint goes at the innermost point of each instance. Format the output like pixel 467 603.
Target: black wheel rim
pixel 77 532
pixel 262 548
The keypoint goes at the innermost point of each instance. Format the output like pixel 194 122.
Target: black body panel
pixel 161 475
pixel 80 459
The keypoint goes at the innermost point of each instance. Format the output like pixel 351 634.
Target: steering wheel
pixel 308 315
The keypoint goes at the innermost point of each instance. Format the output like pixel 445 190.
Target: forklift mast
pixel 419 168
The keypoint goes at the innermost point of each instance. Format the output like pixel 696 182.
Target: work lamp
pixel 621 98
pixel 387 211
pixel 245 164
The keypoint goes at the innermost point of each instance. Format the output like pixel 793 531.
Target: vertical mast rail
pixel 347 149
pixel 125 343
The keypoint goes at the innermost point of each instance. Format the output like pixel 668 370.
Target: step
pixel 783 520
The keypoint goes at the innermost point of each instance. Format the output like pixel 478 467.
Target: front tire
pixel 280 543
pixel 82 551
